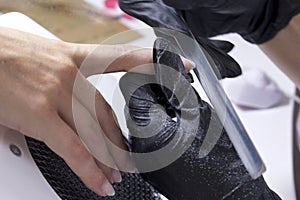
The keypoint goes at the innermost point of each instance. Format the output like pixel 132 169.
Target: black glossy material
pixel 220 174
pixel 255 20
pixel 157 14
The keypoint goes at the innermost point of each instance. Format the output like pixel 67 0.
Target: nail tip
pixel 111 194
pixel 108 189
pixel 117 177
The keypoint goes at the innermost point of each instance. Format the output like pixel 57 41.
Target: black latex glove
pixel 257 21
pixel 218 175
pixel 157 14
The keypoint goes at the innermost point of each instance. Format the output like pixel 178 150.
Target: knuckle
pixel 42 105
pixel 57 89
pixel 68 70
pixel 52 85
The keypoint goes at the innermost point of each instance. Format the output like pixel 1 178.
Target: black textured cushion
pixel 69 187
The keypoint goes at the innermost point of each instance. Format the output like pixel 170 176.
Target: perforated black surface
pixel 69 187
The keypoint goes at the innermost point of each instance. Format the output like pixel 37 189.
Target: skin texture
pixel 283 50
pixel 37 99
pixel 37 78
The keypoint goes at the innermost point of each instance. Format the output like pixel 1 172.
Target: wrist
pixel 283 49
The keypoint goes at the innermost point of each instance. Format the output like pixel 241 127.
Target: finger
pixel 95 142
pixel 113 174
pixel 100 110
pixel 98 59
pixel 188 64
pixel 90 133
pixel 66 112
pixel 223 45
pixel 116 144
pixel 64 141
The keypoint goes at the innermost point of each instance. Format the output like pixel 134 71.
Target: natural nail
pixel 116 176
pixel 108 189
pixel 193 64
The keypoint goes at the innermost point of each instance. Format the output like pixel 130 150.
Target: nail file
pixel 223 107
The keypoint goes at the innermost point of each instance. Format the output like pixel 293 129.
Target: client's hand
pixel 39 98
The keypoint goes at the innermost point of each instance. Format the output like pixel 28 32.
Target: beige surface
pixel 73 21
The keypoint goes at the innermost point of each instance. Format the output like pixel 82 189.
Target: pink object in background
pixel 111 3
pixel 125 15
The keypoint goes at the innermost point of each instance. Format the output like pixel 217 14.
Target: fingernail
pixel 131 167
pixel 108 189
pixel 116 176
pixel 193 64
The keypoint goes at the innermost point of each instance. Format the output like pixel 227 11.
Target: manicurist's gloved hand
pixel 158 15
pixel 257 21
pixel 168 124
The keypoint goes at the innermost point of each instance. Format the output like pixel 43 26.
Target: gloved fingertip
pixel 234 70
pixel 223 45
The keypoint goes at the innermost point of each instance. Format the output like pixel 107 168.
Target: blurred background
pixel 82 21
